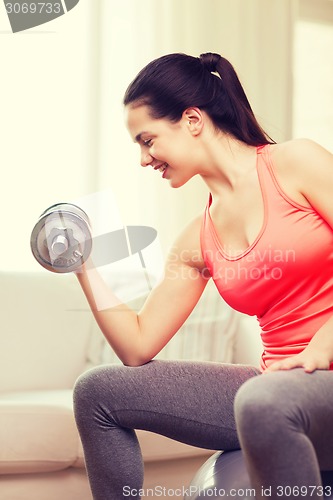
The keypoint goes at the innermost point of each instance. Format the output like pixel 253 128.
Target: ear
pixel 194 120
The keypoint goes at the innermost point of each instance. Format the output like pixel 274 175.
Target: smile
pixel 161 168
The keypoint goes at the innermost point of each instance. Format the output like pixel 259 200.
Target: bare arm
pixel 137 338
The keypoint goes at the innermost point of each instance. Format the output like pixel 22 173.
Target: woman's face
pixel 165 146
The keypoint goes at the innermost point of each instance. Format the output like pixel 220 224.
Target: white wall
pixel 62 129
pixel 313 73
pixel 47 112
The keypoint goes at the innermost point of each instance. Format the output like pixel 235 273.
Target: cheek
pixel 174 150
pixel 156 151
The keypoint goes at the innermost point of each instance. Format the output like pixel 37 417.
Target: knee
pixel 92 388
pixel 260 408
pixel 83 392
pixel 247 405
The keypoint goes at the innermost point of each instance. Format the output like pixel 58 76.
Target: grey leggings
pixel 283 421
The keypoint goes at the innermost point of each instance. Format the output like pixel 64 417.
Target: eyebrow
pixel 139 136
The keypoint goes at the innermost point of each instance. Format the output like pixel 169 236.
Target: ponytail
pixel 175 82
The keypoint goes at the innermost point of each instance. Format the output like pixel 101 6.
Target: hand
pixel 309 359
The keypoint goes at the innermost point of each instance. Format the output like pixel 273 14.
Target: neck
pixel 227 162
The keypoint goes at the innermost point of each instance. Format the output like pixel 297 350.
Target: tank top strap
pixel 261 148
pixel 266 174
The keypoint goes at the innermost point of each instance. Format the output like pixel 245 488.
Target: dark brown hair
pixel 175 82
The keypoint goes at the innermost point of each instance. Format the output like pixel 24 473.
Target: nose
pixel 146 159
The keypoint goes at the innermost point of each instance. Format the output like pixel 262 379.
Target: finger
pixel 274 367
pixel 310 367
pixel 286 364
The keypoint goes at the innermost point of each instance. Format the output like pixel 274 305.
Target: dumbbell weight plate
pixel 61 239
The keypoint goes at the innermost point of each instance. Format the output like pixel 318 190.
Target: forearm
pixel 118 323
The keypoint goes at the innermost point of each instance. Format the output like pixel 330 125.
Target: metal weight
pixel 61 239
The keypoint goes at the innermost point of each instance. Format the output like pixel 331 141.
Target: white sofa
pixel 48 337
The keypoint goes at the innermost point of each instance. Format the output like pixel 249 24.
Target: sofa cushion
pixel 45 330
pixel 37 432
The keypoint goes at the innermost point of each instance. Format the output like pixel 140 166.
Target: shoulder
pixel 301 162
pixel 303 168
pixel 308 168
pixel 299 153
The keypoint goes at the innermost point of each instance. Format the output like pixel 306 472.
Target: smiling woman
pixel 265 199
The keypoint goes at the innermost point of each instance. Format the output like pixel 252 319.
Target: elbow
pixel 137 355
pixel 135 361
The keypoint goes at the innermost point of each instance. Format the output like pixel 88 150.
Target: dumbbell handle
pixel 59 244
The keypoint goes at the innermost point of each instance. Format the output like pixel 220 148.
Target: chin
pixel 177 183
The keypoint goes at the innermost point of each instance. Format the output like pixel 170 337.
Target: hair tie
pixel 210 60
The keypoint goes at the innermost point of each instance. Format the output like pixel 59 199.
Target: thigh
pixel 188 401
pixel 312 394
pixel 305 400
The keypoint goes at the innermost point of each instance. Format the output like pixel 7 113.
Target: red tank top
pixel 285 277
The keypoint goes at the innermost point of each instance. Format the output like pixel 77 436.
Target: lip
pixel 157 167
pixel 162 167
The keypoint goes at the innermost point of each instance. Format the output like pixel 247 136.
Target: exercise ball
pixel 224 475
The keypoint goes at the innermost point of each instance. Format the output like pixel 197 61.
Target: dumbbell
pixel 61 239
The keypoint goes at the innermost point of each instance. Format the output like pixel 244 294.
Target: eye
pixel 148 142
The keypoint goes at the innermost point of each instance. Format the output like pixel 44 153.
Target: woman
pixel 266 240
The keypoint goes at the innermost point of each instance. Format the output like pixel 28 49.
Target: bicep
pixel 172 300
